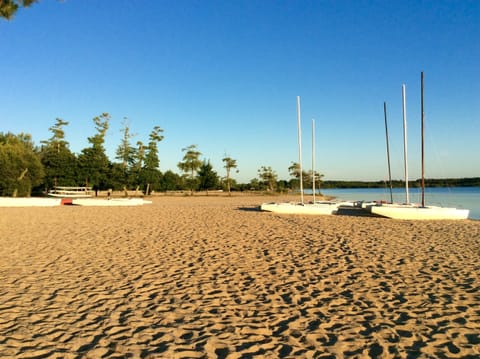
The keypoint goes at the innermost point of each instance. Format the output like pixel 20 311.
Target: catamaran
pixel 82 196
pixel 315 207
pixel 71 192
pixel 408 210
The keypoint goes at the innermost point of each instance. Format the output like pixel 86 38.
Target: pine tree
pixel 190 165
pixel 207 177
pixel 59 162
pixel 93 162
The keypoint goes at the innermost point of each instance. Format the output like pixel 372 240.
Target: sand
pixel 212 277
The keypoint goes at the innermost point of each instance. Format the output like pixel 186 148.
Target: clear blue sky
pixel 224 75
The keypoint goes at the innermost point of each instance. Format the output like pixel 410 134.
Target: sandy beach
pixel 212 277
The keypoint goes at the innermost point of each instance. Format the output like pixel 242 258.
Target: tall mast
pixel 388 153
pixel 405 143
pixel 300 147
pixel 313 158
pixel 423 147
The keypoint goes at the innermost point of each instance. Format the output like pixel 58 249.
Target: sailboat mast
pixel 313 158
pixel 388 153
pixel 423 147
pixel 405 156
pixel 300 148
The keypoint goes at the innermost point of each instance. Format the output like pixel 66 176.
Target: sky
pixel 225 76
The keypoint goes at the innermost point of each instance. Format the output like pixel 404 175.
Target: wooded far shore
pixel 429 182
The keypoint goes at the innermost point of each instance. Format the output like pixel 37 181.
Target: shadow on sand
pixel 342 211
pixel 249 209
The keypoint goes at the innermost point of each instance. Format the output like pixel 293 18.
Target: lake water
pixel 458 197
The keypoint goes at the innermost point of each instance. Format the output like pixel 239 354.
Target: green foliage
pixel 24 168
pixel 451 182
pixel 282 185
pixel 207 177
pixel 136 167
pixel 230 163
pixel 150 178
pixel 126 152
pixel 171 182
pixel 150 174
pixel 57 141
pixel 191 163
pixel 93 162
pixel 93 167
pixel 268 177
pixel 294 171
pixel 20 166
pixel 8 8
pixel 59 162
pixel 234 186
pixel 439 182
pixel 151 158
pixel 254 185
pixel 101 125
pixel 116 178
pixel 307 177
pixel 60 167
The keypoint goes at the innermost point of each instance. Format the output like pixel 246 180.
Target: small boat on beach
pixel 71 192
pixel 317 208
pixel 417 211
pixel 314 207
pixel 29 202
pixel 102 202
pixel 409 210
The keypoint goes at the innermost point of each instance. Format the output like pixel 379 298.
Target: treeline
pixel 27 169
pixel 429 182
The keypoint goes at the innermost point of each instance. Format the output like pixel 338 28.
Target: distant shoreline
pixel 436 182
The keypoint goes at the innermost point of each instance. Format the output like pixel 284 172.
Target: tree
pixel 229 164
pixel 8 8
pixel 268 177
pixel 126 152
pixel 150 173
pixel 20 166
pixel 294 171
pixel 254 184
pixel 207 177
pixel 57 159
pixel 57 141
pixel 309 180
pixel 116 179
pixel 93 162
pixel 137 165
pixel 191 163
pixel 171 181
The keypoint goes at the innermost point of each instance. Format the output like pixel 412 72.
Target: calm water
pixel 459 197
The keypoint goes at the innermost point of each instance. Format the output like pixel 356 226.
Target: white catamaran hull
pixel 109 202
pixel 29 202
pixel 299 208
pixel 51 202
pixel 412 212
pixel 68 195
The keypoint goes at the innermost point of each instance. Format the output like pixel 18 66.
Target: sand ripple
pixel 213 278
